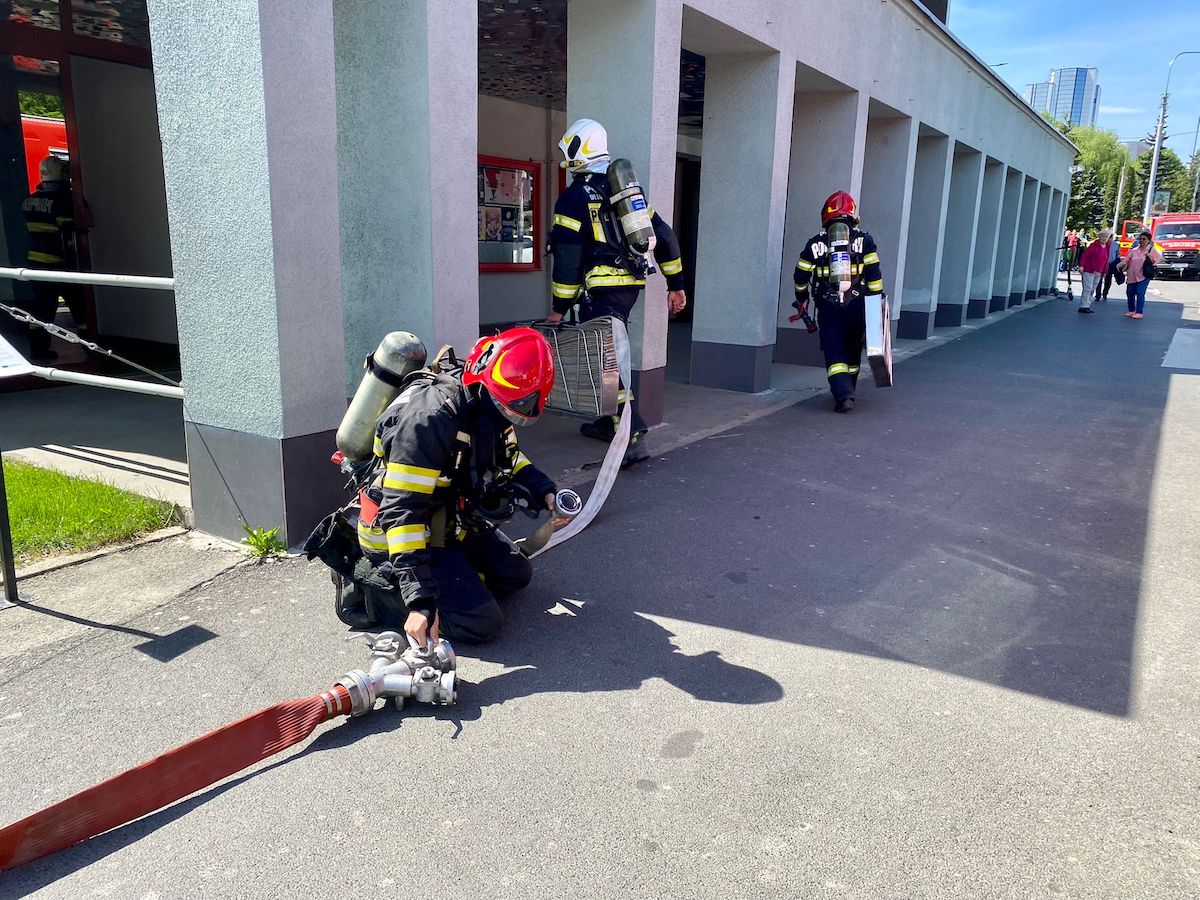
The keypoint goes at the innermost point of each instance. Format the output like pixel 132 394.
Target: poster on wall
pixel 509 219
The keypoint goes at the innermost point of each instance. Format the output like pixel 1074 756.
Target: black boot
pixel 636 452
pixel 845 405
pixel 602 429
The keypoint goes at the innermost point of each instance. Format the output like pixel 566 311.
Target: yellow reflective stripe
pixel 372 538
pixel 41 227
pixel 875 286
pixel 838 369
pixel 870 258
pixel 39 256
pixel 565 291
pixel 405 538
pixel 609 276
pixel 443 481
pixel 522 462
pixel 597 228
pixel 853 370
pixel 378 447
pixel 672 267
pixel 567 222
pixel 401 477
pixel 805 266
pixel 624 395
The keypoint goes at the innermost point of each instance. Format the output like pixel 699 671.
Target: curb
pixel 53 564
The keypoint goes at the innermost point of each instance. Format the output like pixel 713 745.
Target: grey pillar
pixel 1040 225
pixel 246 108
pixel 407 88
pixel 829 132
pixel 1020 269
pixel 887 188
pixel 1054 230
pixel 743 189
pixel 958 245
pixel 926 230
pixel 1006 243
pixel 990 198
pixel 611 48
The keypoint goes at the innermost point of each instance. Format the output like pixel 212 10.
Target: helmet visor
pixel 524 411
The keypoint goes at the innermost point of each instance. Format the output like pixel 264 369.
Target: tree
pixel 33 103
pixel 1086 209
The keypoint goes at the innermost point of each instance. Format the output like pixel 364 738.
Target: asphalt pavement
pixel 944 646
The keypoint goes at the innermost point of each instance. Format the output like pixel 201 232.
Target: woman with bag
pixel 1138 267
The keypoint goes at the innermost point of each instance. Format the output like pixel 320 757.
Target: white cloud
pixel 1121 110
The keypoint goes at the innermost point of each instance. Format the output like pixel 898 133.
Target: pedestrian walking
pixel 1138 267
pixel 1093 263
pixel 1073 249
pixel 1114 257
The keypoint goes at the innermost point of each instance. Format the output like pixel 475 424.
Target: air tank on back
pixel 398 355
pixel 629 204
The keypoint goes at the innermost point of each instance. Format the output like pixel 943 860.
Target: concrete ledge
pixel 977 309
pixel 732 367
pixel 238 477
pixel 949 315
pixel 999 303
pixel 796 347
pixel 914 325
pixel 649 393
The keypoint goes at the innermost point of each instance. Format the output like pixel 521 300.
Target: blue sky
pixel 1034 37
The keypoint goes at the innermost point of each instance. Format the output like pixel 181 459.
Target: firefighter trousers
pixel 615 302
pixel 473 575
pixel 843 330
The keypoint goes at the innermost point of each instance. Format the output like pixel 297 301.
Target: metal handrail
pixel 97 278
pixel 120 384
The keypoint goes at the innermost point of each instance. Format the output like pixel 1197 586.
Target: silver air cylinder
pixel 398 355
pixel 840 276
pixel 629 204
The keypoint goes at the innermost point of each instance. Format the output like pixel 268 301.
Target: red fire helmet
pixel 840 205
pixel 516 368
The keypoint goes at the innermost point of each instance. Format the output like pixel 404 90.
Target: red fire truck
pixel 1175 235
pixel 43 137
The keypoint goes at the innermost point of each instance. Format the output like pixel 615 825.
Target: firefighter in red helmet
pixel 838 268
pixel 444 447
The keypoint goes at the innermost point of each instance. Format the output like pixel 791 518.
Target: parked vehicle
pixel 1175 235
pixel 43 137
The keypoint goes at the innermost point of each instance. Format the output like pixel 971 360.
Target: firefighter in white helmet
pixel 594 264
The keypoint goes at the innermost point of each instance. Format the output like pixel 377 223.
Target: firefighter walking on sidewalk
pixel 838 268
pixel 595 262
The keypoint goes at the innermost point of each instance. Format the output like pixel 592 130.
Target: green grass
pixel 55 513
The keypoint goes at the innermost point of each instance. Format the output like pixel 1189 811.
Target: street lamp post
pixel 1158 138
pixel 1196 186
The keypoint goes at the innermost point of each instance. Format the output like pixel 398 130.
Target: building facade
pixel 1069 94
pixel 332 170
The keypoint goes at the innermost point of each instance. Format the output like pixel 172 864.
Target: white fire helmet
pixel 52 168
pixel 585 147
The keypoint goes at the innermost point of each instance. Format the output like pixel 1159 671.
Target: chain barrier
pixel 72 338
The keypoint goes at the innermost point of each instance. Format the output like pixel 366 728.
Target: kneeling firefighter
pixel 838 268
pixel 601 242
pixel 444 468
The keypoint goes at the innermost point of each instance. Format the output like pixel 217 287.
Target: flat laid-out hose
pixel 169 777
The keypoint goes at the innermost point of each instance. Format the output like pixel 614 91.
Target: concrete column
pixel 246 108
pixel 1054 230
pixel 926 230
pixel 1040 225
pixel 743 189
pixel 958 245
pixel 1006 244
pixel 984 265
pixel 407 88
pixel 887 194
pixel 829 135
pixel 1020 269
pixel 623 71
